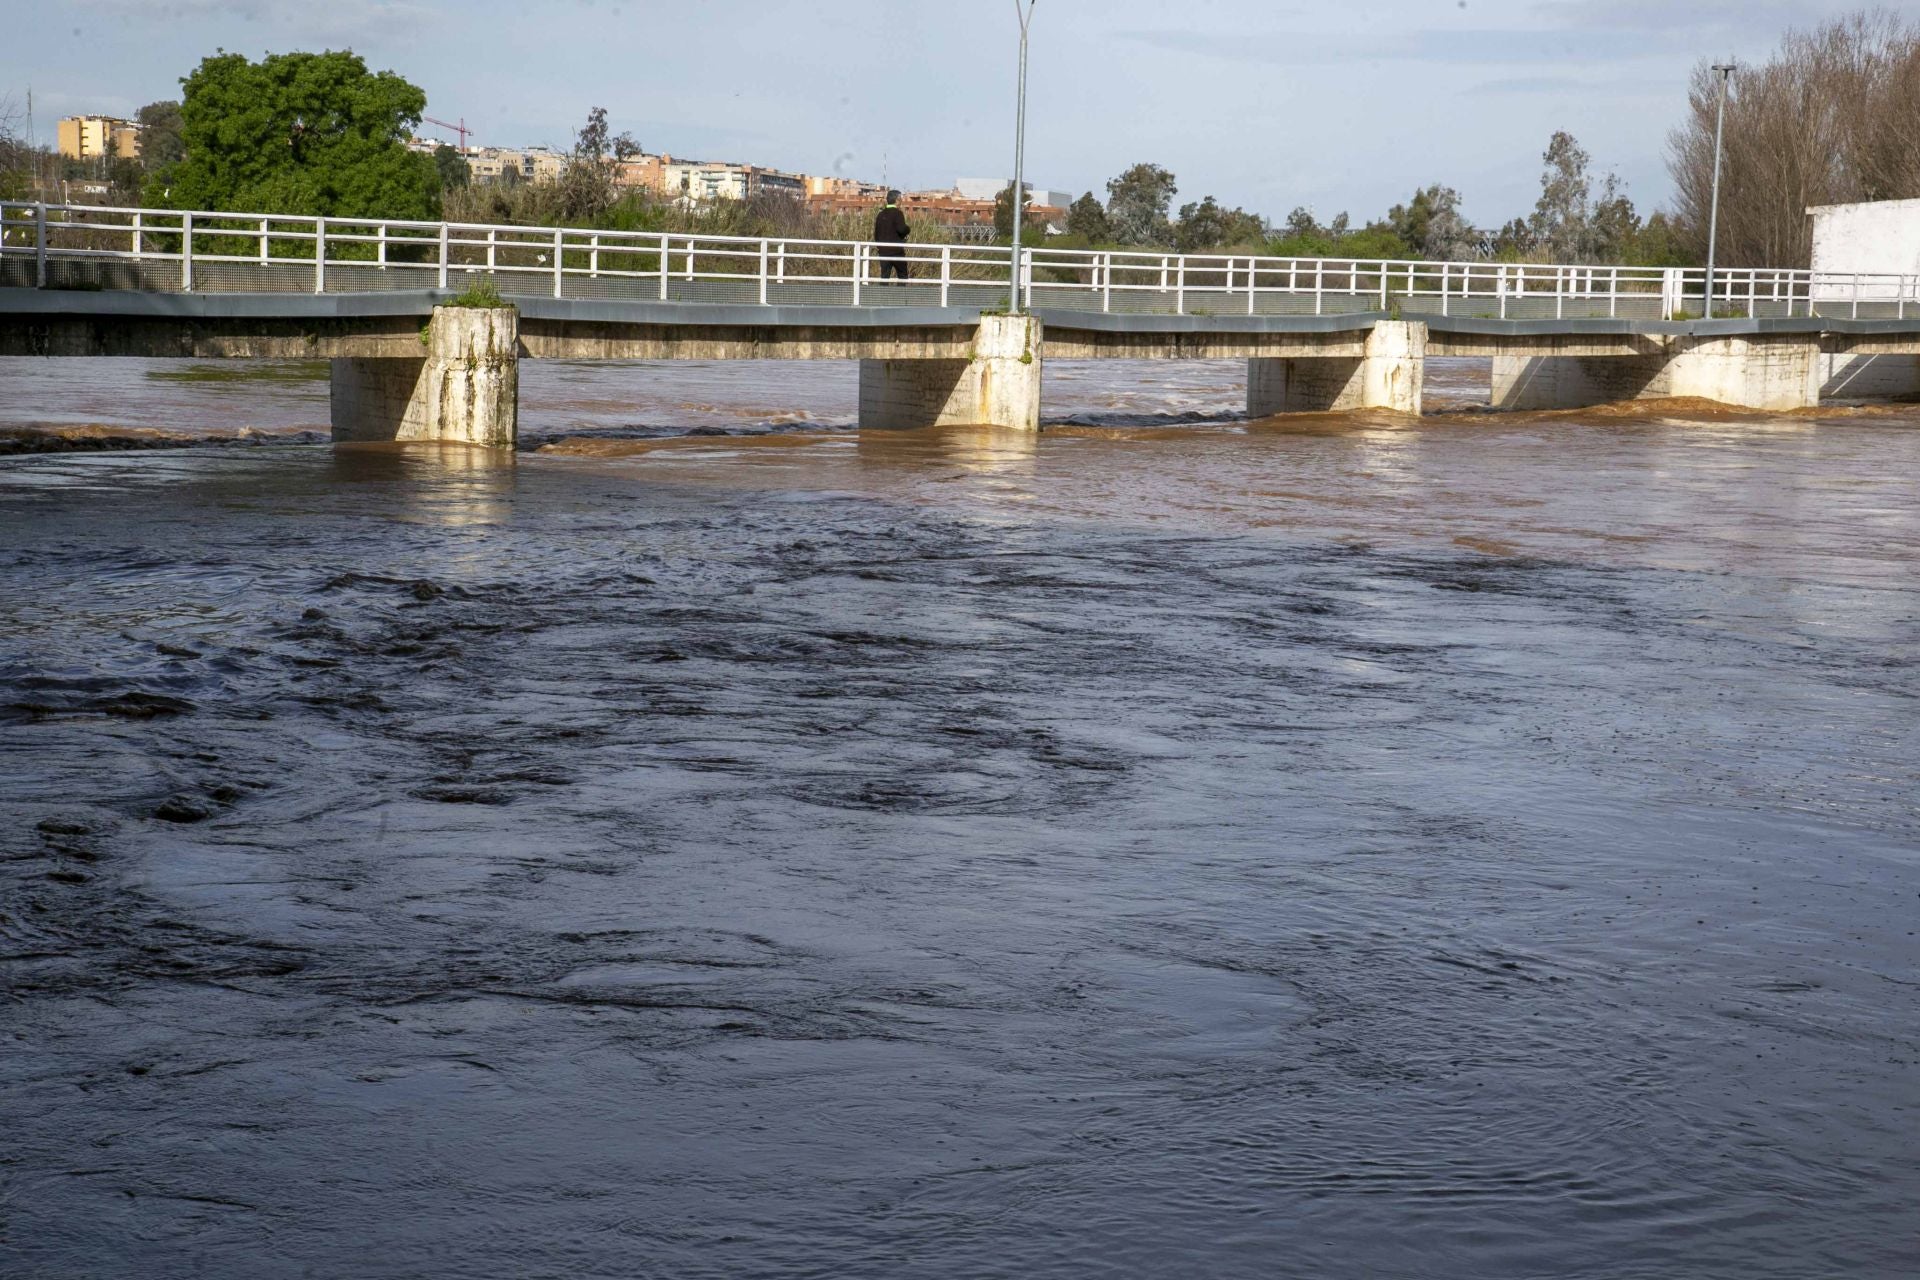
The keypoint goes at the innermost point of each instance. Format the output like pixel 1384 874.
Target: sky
pixel 1337 105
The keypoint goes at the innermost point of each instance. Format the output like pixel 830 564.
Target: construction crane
pixel 460 129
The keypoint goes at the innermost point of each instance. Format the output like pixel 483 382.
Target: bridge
pixel 390 303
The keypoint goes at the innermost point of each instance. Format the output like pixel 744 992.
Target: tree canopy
pixel 160 141
pixel 300 133
pixel 1829 119
pixel 1137 204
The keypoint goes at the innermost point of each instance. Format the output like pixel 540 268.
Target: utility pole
pixel 1019 156
pixel 1725 71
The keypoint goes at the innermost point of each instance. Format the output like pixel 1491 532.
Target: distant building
pixel 488 165
pixel 835 187
pixel 990 189
pixel 702 181
pixel 94 137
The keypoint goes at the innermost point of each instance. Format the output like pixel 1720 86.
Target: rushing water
pixel 1331 847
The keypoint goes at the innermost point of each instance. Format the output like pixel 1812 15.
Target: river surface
pixel 1177 845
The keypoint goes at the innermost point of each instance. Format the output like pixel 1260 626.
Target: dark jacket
pixel 890 226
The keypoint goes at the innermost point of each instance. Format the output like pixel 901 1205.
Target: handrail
pixel 252 252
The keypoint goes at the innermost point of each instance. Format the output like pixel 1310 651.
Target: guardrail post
pixel 593 257
pixel 666 256
pixel 859 268
pixel 1180 285
pixel 1252 267
pixel 946 272
pixel 1319 285
pixel 1444 300
pixel 1383 286
pixel 40 246
pixel 443 255
pixel 763 273
pixel 559 260
pixel 319 255
pixel 139 242
pixel 1106 282
pixel 186 253
pixel 1560 293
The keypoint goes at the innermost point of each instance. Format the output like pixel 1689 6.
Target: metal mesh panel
pixel 251 277
pixel 818 293
pixel 356 277
pixel 107 273
pixel 613 288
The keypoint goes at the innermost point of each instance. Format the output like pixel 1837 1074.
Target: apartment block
pixel 511 164
pixel 94 137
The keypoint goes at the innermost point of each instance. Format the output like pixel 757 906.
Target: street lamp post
pixel 1019 157
pixel 1725 71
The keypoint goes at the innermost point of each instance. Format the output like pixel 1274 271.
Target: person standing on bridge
pixel 890 231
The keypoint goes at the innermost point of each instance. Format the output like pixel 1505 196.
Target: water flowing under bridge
pixel 1318 334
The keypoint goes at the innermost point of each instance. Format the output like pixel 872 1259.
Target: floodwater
pixel 1176 845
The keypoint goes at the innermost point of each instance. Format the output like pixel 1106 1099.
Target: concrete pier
pixel 464 388
pixel 1388 376
pixel 998 384
pixel 1773 372
pixel 1850 376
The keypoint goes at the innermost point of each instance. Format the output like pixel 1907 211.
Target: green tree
pixel 586 188
pixel 1087 218
pixel 301 133
pixel 1376 240
pixel 452 167
pixel 1612 226
pixel 16 156
pixel 1432 226
pixel 1210 225
pixel 1137 204
pixel 1514 242
pixel 1003 212
pixel 1662 241
pixel 123 172
pixel 161 144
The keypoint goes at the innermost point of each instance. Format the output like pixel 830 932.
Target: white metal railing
pixel 91 247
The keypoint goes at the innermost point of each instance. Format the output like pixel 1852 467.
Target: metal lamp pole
pixel 1725 71
pixel 1019 157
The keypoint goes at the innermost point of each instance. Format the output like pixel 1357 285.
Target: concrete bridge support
pixel 1856 376
pixel 997 385
pixel 1389 376
pixel 1773 372
pixel 463 389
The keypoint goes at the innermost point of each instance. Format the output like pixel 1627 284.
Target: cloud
pixel 1449 46
pixel 287 22
pixel 1666 17
pixel 1588 89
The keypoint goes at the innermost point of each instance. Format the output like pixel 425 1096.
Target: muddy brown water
pixel 1176 845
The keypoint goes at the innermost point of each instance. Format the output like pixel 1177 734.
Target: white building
pixel 990 188
pixel 1879 238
